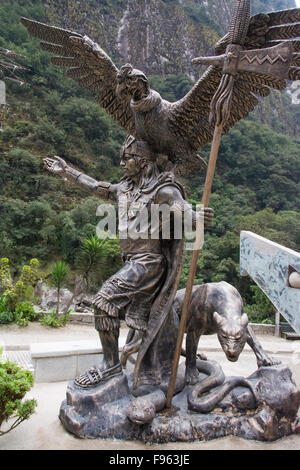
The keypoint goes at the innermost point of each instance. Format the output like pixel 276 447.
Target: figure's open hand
pixel 55 165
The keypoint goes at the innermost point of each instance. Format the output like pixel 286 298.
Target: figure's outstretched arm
pixel 173 198
pixel 58 166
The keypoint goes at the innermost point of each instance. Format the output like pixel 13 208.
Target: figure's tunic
pixel 130 293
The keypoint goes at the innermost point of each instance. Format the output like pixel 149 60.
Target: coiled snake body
pixel 215 380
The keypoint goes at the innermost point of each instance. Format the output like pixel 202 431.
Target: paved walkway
pixel 13 335
pixel 44 432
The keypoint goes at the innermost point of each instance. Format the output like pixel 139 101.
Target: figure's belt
pixel 141 252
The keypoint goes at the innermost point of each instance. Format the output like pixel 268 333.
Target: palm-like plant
pixel 59 276
pixel 91 252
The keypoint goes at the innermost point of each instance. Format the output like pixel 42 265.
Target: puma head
pixel 232 335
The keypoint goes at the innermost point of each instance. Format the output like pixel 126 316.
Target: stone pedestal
pixel 98 412
pixel 101 412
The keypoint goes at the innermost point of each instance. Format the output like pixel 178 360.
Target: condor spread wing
pixel 190 116
pixel 87 63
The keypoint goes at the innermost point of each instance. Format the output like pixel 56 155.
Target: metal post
pixel 277 324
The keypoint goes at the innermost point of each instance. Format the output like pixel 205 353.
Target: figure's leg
pixel 192 340
pixel 263 359
pixel 108 329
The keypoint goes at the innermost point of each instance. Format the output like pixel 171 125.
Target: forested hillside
pixel 257 183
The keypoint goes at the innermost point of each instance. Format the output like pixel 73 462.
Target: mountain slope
pixel 157 36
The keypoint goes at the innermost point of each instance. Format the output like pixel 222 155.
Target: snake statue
pixel 215 387
pixel 202 397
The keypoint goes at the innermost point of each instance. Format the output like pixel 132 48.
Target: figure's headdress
pixel 137 147
pixel 142 149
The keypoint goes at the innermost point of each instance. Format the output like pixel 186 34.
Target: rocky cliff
pixel 157 36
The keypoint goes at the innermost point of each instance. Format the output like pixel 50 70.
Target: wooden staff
pixel 220 112
pixel 190 283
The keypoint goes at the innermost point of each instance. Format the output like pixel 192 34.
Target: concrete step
pixel 22 358
pixel 287 332
pixel 290 335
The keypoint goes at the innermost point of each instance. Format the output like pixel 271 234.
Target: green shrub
pixel 15 382
pixel 22 314
pixel 8 134
pixel 25 313
pixel 5 315
pixel 52 320
pixel 22 128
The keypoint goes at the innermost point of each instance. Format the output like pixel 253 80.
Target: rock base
pixel 101 412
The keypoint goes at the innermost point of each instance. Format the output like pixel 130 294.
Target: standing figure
pixel 143 290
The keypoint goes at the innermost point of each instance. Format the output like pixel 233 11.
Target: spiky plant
pixel 59 276
pixel 91 252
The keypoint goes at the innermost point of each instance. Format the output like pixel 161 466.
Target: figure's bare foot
pixel 95 376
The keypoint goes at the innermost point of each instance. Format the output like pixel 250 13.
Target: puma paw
pixel 268 361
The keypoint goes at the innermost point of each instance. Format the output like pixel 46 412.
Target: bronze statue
pixel 143 290
pixel 259 54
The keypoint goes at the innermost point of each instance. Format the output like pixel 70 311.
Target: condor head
pixel 132 83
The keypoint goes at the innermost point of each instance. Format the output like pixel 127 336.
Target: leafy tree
pixel 22 289
pixel 47 137
pixel 98 259
pixel 173 87
pixel 86 118
pixel 261 310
